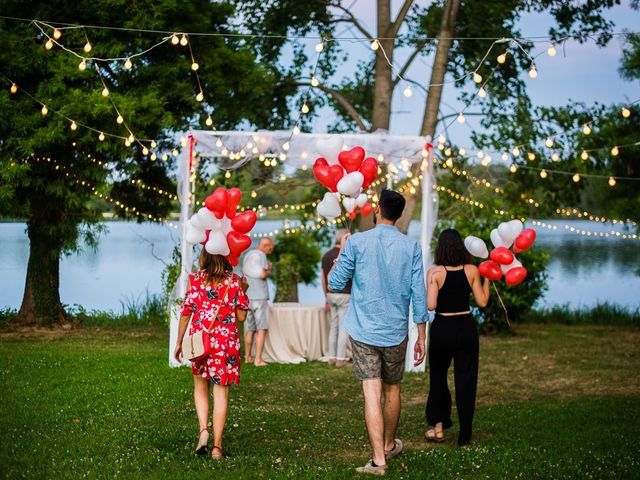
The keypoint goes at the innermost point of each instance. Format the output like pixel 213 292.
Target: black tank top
pixel 453 296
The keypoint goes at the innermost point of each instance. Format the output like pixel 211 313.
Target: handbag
pixel 198 346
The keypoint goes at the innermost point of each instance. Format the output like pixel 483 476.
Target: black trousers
pixel 453 337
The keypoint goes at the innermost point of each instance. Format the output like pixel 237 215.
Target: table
pixel 297 333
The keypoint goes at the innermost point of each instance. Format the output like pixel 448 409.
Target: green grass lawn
pixel 554 402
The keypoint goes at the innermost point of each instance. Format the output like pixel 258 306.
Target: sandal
pixel 203 440
pixel 433 435
pixel 217 456
pixel 395 451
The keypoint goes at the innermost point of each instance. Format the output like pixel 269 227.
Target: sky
pixel 579 72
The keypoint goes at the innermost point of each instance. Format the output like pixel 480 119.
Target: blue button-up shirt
pixel 386 268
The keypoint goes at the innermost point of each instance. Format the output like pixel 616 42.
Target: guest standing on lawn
pixel 336 303
pixel 453 335
pixel 257 270
pixel 214 295
pixel 387 273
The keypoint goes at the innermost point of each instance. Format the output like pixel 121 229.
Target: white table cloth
pixel 297 333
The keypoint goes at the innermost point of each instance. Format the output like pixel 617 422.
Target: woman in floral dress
pixel 214 288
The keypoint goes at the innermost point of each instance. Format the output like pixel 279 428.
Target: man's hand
pixel 327 307
pixel 343 241
pixel 418 351
pixel 244 284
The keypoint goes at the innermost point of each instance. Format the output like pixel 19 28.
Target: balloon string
pixel 506 314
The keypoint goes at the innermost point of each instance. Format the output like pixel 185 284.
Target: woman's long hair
pixel 216 267
pixel 450 250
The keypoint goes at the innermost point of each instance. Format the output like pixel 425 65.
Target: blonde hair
pixel 216 267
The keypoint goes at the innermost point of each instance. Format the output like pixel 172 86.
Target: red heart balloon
pixel 233 260
pixel 490 270
pixel 336 172
pixel 234 195
pixel 321 172
pixel 525 240
pixel 351 159
pixel 515 276
pixel 244 222
pixel 217 202
pixel 366 210
pixel 369 170
pixel 501 255
pixel 238 243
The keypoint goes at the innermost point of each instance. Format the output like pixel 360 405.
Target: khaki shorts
pixel 386 363
pixel 257 316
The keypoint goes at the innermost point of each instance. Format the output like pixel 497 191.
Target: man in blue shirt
pixel 387 273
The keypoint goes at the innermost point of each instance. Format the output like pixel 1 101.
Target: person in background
pixel 336 303
pixel 257 270
pixel 214 294
pixel 453 335
pixel 387 273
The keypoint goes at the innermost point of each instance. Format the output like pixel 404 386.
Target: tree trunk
pixel 430 118
pixel 41 302
pixel 383 92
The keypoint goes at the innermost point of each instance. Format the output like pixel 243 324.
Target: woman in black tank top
pixel 453 336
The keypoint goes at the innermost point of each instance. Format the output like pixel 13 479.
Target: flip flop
pixel 432 436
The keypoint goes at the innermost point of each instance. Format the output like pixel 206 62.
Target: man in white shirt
pixel 257 269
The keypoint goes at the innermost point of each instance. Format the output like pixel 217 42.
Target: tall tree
pixel 49 173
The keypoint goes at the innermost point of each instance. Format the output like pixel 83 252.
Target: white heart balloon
pixel 217 243
pixel 497 240
pixel 361 200
pixel 349 204
pixel 506 233
pixel 351 184
pixel 225 225
pixel 207 219
pixel 196 222
pixel 329 207
pixel 330 147
pixel 514 264
pixel 467 241
pixel 516 227
pixel 194 235
pixel 476 246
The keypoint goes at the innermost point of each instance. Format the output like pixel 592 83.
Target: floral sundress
pixel 222 366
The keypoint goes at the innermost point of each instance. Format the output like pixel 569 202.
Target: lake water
pixel 130 258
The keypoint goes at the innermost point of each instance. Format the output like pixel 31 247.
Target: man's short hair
pixel 391 205
pixel 340 232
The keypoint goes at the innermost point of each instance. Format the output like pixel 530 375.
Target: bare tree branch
pixel 395 26
pixel 351 19
pixel 353 113
pixel 410 60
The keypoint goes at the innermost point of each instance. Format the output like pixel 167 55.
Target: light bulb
pixel 14 88
pixel 407 91
pixel 460 118
pixel 199 97
pixel 145 151
pixel 56 33
pixel 305 108
pixel 482 92
pixel 576 177
pixel 82 66
pixel 533 73
pixel 174 39
pixel 282 157
pixel 586 129
pixel 49 44
pixel 612 181
pixel 183 143
pixel 543 173
pixel 479 154
pixel 105 92
pixel 128 64
pixel 462 151
pixel 447 152
pixel 448 163
pixel 153 157
pixel 165 157
pixel 515 152
pixel 549 142
pixel 626 112
pixel 615 151
pixel 285 146
pixel 319 47
pixel 375 45
pixel 253 194
pixel 174 152
pixel 477 77
pixel 195 66
pixel 555 157
pixel 584 155
pixel 131 138
pixel 505 156
pixel 227 174
pixel 209 121
pixel 531 156
pixel 513 168
pixel 502 58
pixel 485 162
pixel 44 110
pixel 153 144
pixel 551 51
pixel 441 146
pixel 119 120
pixel 184 41
pixel 101 137
pixel 296 130
pixel 73 126
pixel 441 138
pixel 127 143
pixel 314 82
pixel 87 47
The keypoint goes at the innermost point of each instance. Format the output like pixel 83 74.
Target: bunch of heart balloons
pixel 346 173
pixel 219 227
pixel 502 261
